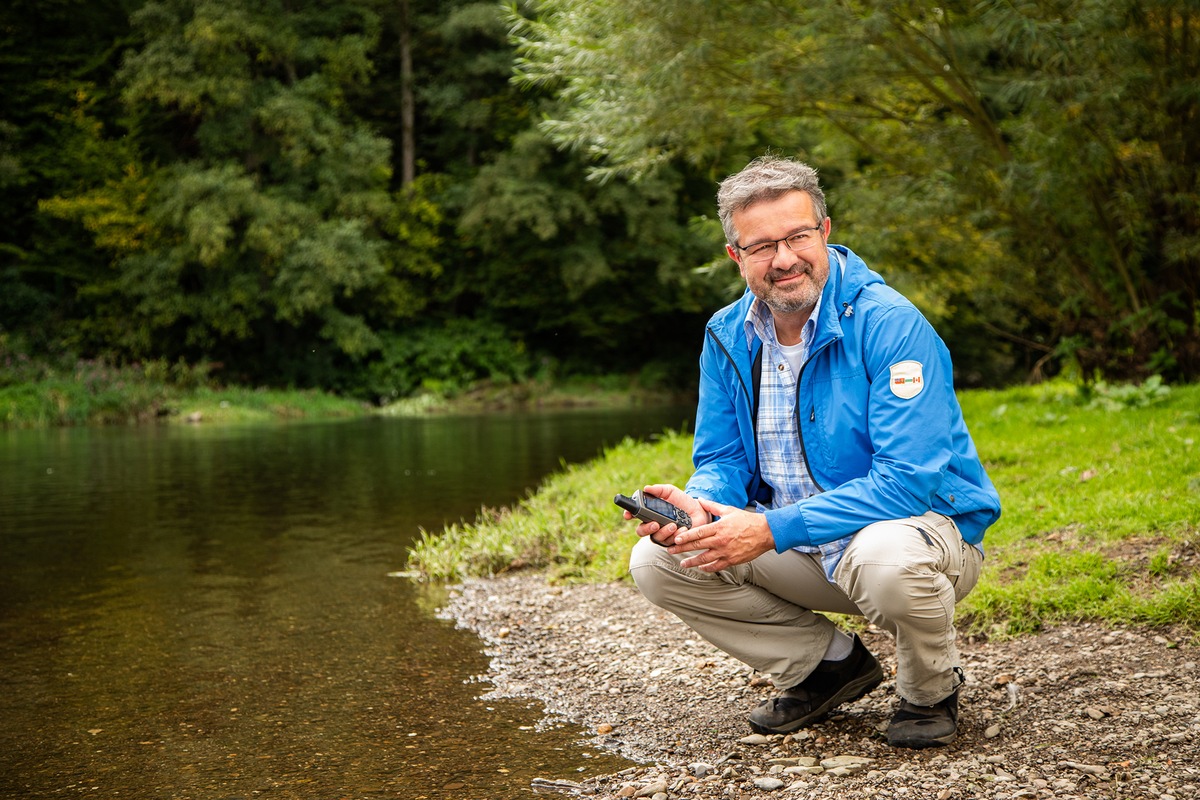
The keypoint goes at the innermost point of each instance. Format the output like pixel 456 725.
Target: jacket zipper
pixel 749 401
pixel 736 371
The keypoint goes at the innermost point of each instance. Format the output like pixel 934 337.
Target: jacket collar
pixel 848 275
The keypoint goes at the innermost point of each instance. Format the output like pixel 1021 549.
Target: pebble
pixel 658 787
pixel 1086 769
pixel 755 739
pixel 768 784
pixel 803 770
pixel 796 761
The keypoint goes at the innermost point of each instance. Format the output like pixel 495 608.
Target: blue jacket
pixel 875 453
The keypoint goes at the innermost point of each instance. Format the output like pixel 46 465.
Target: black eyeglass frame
pixel 820 226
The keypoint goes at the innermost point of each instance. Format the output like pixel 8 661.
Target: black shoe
pixel 924 726
pixel 830 684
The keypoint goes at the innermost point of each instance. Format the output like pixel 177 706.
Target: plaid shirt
pixel 780 458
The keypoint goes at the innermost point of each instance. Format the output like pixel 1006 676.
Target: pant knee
pixel 653 570
pixel 909 595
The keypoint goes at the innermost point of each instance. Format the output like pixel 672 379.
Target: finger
pixel 716 509
pixel 647 529
pixel 707 561
pixel 696 534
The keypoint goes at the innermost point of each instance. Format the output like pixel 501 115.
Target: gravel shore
pixel 1079 711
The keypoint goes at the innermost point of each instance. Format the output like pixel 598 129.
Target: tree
pixel 1030 167
pixel 579 274
pixel 258 225
pixel 56 66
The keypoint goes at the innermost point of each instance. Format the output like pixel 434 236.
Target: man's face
pixel 789 282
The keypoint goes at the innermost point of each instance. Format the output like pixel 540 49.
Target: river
pixel 207 612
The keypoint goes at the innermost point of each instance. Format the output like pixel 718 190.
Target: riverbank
pixel 1077 711
pixel 98 394
pixel 1101 513
pixel 1079 643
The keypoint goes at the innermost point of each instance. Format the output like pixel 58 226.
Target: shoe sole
pixel 849 693
pixel 921 744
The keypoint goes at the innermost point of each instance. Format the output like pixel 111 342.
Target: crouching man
pixel 834 473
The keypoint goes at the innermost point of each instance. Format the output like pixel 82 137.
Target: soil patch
pixel 1079 711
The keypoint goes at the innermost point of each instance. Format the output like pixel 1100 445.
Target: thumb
pixel 715 509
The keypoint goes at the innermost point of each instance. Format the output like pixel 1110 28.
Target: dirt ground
pixel 1080 711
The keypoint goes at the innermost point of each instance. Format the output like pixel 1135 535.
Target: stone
pixel 768 784
pixel 658 787
pixel 847 765
pixel 756 739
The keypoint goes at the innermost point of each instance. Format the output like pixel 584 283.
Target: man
pixel 834 473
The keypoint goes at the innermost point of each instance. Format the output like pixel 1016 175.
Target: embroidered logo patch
pixel 907 381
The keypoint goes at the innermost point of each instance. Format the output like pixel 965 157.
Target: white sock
pixel 840 646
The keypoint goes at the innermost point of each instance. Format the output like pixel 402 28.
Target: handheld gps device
pixel 649 508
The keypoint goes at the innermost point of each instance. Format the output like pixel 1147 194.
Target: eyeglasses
pixel 797 242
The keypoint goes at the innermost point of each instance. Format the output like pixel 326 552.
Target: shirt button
pixel 781 367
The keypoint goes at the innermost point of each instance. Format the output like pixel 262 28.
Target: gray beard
pixel 790 303
pixel 789 306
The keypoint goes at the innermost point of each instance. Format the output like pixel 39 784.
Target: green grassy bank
pixel 1101 493
pixel 94 393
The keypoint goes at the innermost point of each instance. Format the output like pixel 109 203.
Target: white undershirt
pixel 795 354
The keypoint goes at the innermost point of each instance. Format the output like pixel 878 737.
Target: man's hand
pixel 737 537
pixel 678 498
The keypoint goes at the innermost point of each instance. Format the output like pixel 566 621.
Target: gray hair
pixel 766 178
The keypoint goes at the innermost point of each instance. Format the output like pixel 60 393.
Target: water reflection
pixel 192 612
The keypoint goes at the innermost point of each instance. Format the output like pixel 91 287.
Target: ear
pixel 734 255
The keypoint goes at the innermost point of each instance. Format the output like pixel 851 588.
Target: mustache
pixel 779 274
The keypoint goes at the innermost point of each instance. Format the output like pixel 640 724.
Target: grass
pixel 1101 508
pixel 569 524
pixel 94 393
pixel 1101 494
pixel 70 392
pixel 240 404
pixel 611 391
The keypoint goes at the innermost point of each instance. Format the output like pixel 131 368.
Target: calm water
pixel 202 612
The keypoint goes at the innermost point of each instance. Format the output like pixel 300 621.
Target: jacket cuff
pixel 788 527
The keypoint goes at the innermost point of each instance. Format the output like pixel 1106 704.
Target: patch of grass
pixel 85 392
pixel 568 525
pixel 611 391
pixel 95 393
pixel 1101 511
pixel 240 404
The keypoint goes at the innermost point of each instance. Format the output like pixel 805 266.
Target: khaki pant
pixel 905 576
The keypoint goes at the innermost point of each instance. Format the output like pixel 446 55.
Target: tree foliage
pixel 1031 167
pixel 322 194
pixel 261 206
